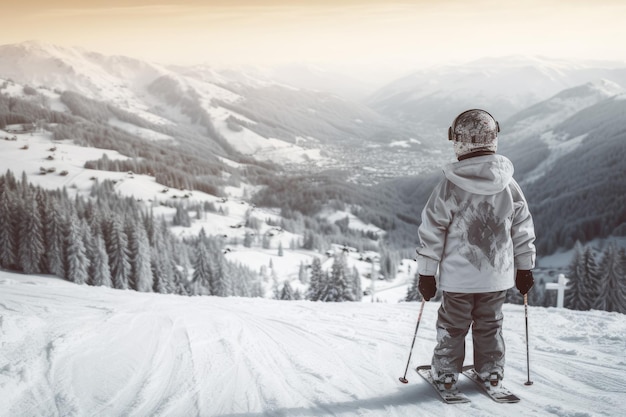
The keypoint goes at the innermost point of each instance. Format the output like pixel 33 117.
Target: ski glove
pixel 524 280
pixel 427 286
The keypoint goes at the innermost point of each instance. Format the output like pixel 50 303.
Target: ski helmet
pixel 474 130
pixel 474 126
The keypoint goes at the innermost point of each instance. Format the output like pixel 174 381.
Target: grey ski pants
pixel 459 311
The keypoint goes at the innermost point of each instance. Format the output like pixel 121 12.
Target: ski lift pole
pixel 419 318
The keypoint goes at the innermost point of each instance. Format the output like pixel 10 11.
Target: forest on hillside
pixel 107 240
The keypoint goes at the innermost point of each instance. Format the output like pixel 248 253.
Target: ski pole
pixel 528 382
pixel 419 318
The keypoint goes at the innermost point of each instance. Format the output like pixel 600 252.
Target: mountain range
pixel 562 125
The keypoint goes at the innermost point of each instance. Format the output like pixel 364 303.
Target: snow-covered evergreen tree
pixel 54 242
pixel 117 250
pixel 612 293
pixel 202 274
pixel 181 218
pixel 356 285
pixel 583 285
pixel 220 284
pixel 339 287
pixel 99 271
pixel 179 282
pixel 287 291
pixel 8 258
pixel 315 280
pixel 160 261
pixel 30 245
pixel 139 251
pixel 76 261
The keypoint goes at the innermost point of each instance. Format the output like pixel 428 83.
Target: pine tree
pixel 181 218
pixel 287 292
pixel 30 248
pixel 356 284
pixel 202 274
pixel 139 251
pixel 178 285
pixel 583 284
pixel 315 281
pixel 8 258
pixel 117 250
pixel 241 280
pixel 592 272
pixel 621 254
pixel 54 241
pixel 77 263
pixel 338 288
pixel 612 294
pixel 161 262
pixel 220 284
pixel 99 271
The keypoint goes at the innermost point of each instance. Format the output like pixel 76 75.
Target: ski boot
pixel 446 382
pixel 493 380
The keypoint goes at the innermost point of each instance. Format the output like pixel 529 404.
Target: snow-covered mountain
pixel 316 78
pixel 504 85
pixel 255 114
pixel 542 126
pixel 69 350
pixel 542 117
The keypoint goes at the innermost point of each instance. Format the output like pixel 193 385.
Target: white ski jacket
pixel 476 227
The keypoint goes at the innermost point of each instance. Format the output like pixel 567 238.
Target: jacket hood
pixel 486 175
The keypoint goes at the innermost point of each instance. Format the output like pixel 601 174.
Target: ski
pixel 449 396
pixel 498 394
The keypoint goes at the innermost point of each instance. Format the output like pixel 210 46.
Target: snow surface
pixel 69 350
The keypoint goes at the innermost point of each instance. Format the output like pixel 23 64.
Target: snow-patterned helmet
pixel 474 130
pixel 474 126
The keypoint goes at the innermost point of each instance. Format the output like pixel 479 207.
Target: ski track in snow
pixel 68 350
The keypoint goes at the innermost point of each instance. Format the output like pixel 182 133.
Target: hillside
pixel 72 350
pixel 243 111
pixel 573 171
pixel 505 85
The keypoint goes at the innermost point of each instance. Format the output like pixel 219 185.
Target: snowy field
pixel 68 350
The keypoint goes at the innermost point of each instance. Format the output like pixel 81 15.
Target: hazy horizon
pixel 367 38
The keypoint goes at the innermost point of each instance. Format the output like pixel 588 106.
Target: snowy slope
pixel 542 117
pixel 124 82
pixel 30 153
pixel 70 350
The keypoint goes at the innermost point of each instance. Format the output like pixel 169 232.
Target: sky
pixel 357 36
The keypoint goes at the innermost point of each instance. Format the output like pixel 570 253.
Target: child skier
pixel 478 232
